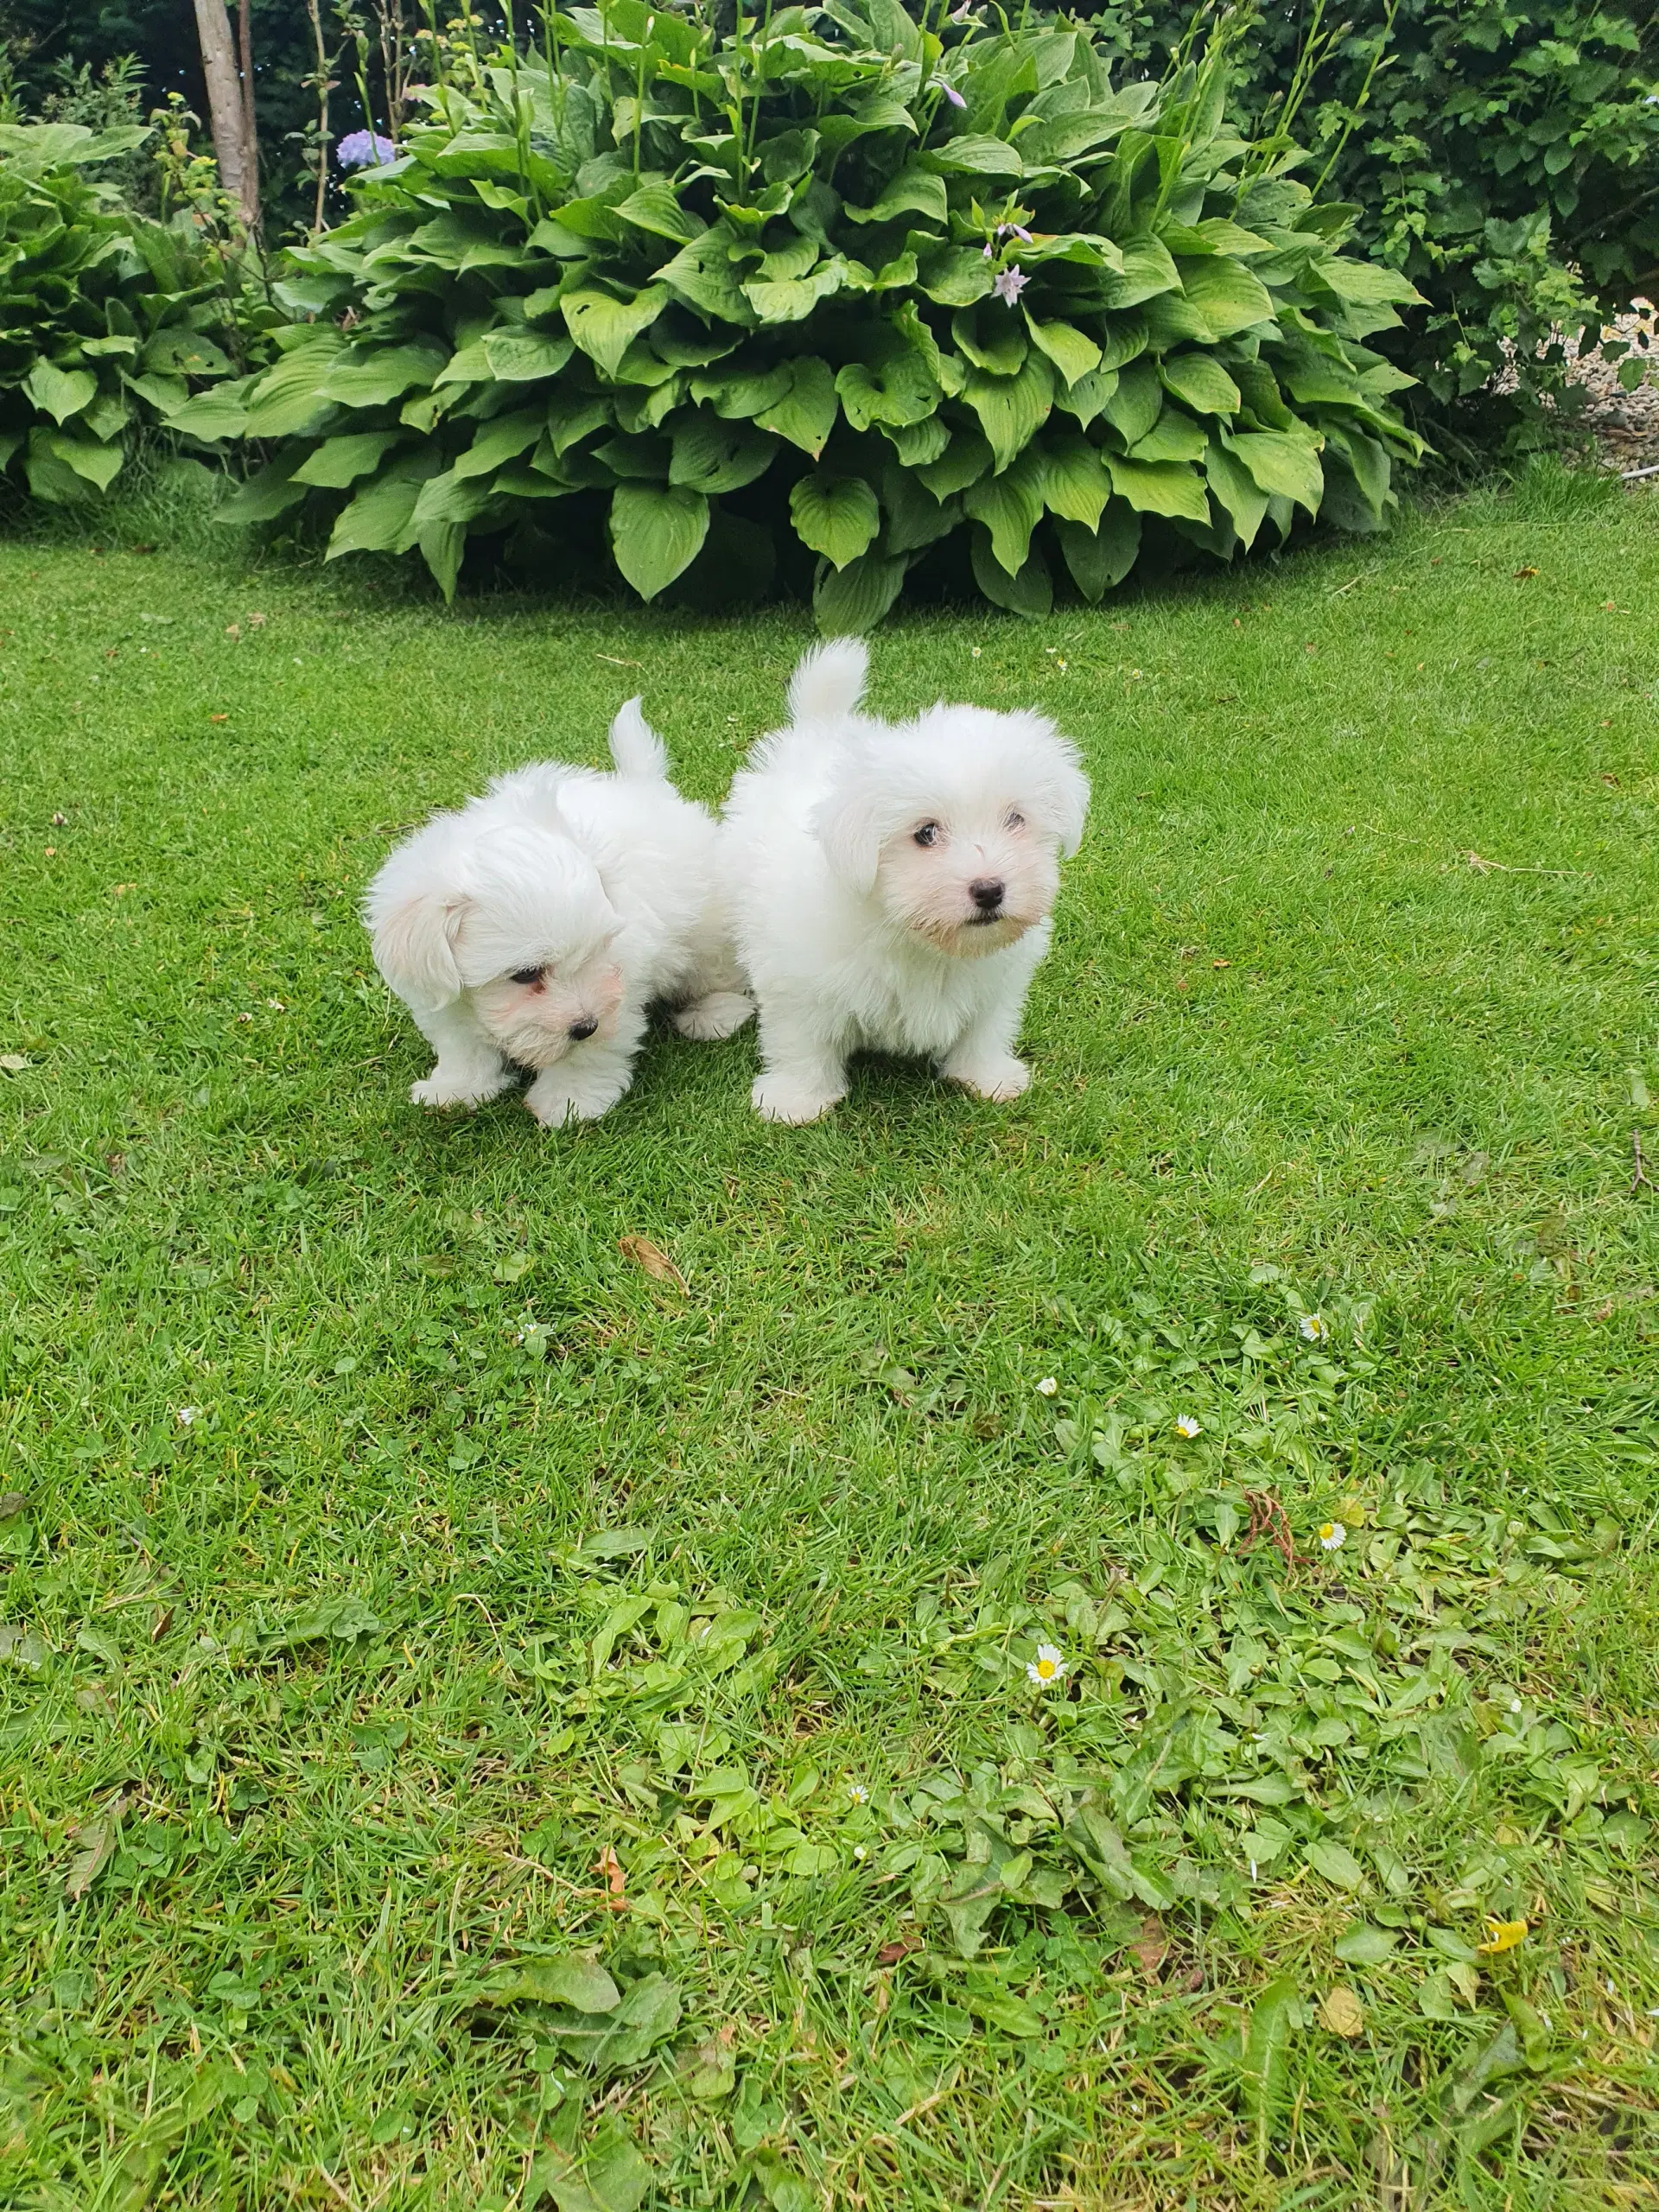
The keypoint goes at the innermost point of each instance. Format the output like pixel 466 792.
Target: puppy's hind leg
pixel 716 1001
pixel 469 1069
pixel 803 1074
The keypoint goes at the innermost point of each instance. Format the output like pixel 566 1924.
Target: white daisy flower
pixel 1047 1667
pixel 1187 1425
pixel 1332 1535
pixel 1313 1326
pixel 1047 1387
pixel 858 1793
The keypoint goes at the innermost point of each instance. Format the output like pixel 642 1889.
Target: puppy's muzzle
pixel 581 1031
pixel 987 894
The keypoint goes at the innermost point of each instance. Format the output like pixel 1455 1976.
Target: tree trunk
pixel 239 161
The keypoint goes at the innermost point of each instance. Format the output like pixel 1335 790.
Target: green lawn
pixel 481 1725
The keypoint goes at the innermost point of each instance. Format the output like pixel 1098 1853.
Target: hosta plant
pixel 107 317
pixel 840 289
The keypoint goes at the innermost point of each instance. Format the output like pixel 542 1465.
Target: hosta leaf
pixel 735 393
pixel 1031 592
pixel 1102 557
pixel 702 273
pixel 288 399
pixel 1075 481
pixel 269 494
pixel 174 352
pixel 836 516
pixel 517 356
pixel 448 497
pixel 605 327
pixel 1225 293
pixel 59 392
pixel 1010 506
pixel 441 546
pixel 502 439
pixel 1161 487
pixel 898 389
pixel 1072 354
pixel 1236 490
pixel 917 443
pixel 1173 437
pixel 955 276
pixel 1012 410
pixel 914 192
pixel 847 602
pixel 339 461
pixel 366 376
pixel 1280 463
pixel 657 532
pixel 963 461
pixel 1089 396
pixel 715 457
pixel 1148 269
pixel 990 337
pixel 794 298
pixel 377 519
pixel 1172 320
pixel 968 155
pixel 806 413
pixel 658 208
pixel 1137 404
pixel 100 464
pixel 914 518
pixel 1202 382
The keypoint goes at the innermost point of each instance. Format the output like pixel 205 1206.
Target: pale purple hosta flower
pixel 950 93
pixel 1013 229
pixel 362 149
pixel 1010 283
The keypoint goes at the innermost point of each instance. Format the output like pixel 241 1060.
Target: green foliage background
pixel 835 291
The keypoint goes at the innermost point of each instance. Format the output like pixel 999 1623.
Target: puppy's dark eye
pixel 927 835
pixel 1015 821
pixel 525 975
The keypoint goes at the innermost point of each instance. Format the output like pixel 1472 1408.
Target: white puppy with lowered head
pixel 534 927
pixel 891 884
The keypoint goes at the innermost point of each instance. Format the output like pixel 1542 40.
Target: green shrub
pixel 108 318
pixel 833 285
pixel 1503 153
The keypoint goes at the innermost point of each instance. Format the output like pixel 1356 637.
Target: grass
pixel 481 1725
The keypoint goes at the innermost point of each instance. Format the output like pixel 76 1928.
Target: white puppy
pixel 890 885
pixel 536 925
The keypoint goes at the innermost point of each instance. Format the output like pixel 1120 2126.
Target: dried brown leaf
pixel 1342 2012
pixel 652 1258
pixel 1151 1947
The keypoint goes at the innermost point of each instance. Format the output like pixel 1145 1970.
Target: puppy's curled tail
pixel 829 682
pixel 635 746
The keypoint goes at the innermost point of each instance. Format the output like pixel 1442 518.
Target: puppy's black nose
pixel 986 894
pixel 583 1028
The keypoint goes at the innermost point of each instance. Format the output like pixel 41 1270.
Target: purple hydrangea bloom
pixel 1010 283
pixel 362 150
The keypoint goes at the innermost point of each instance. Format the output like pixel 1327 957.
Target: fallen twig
pixel 1641 1178
pixel 1268 1519
pixel 1482 866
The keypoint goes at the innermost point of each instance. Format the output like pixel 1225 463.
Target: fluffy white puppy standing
pixel 534 926
pixel 890 885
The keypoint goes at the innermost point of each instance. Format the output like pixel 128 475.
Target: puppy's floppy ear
pixel 1061 789
pixel 847 830
pixel 413 945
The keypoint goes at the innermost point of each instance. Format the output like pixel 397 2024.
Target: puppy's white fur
pixel 603 886
pixel 890 885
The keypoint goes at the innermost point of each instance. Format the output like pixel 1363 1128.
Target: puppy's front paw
pixel 778 1099
pixel 997 1080
pixel 722 1014
pixel 556 1102
pixel 442 1089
